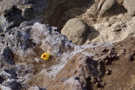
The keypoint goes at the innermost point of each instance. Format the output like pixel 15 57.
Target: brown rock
pixel 75 30
pixel 130 6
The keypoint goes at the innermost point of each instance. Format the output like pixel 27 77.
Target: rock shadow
pixel 92 33
pixel 115 10
pixel 59 12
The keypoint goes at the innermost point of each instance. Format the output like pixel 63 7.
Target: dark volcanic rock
pixel 13 16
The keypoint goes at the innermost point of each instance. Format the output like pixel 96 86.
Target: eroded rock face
pixel 36 88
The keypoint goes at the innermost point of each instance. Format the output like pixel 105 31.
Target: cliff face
pixel 89 43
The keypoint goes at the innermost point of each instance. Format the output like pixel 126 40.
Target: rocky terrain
pixel 91 44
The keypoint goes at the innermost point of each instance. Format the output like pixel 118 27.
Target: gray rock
pixel 3 23
pixel 75 30
pixel 8 55
pixel 10 18
pixel 4 76
pixel 130 6
pixel 4 88
pixel 51 40
pixel 36 88
pixel 15 77
pixel 12 73
pixel 14 85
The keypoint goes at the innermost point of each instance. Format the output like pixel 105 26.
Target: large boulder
pixel 75 30
pixel 130 6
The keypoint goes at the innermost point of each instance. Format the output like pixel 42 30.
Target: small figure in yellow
pixel 45 56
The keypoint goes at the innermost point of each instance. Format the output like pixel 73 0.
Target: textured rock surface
pixel 105 5
pixel 129 5
pixel 76 31
pixel 116 32
pixel 104 62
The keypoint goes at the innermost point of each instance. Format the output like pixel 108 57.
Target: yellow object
pixel 45 56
